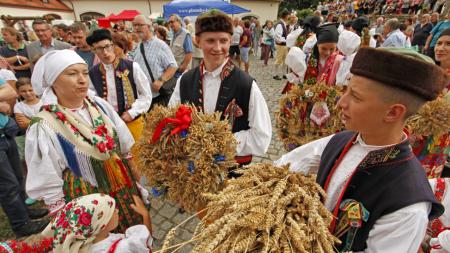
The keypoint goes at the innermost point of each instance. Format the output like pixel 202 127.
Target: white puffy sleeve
pixel 256 140
pixel 45 162
pixel 144 97
pixel 400 231
pixel 125 137
pixel 306 158
pixel 291 39
pixel 137 240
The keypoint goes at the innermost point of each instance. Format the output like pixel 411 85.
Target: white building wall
pixel 13 11
pixel 108 7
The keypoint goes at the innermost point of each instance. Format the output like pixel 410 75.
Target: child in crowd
pixel 30 104
pixel 85 223
pixel 24 111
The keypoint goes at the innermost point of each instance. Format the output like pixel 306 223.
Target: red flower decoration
pixel 323 95
pixel 101 147
pixel 77 211
pixel 85 219
pixel 100 130
pixel 60 116
pixel 95 202
pixel 109 142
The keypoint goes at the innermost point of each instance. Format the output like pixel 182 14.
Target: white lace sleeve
pixel 137 240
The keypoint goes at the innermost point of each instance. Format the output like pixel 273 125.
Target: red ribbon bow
pixel 181 122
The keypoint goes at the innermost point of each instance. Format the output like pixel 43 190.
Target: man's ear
pixel 396 112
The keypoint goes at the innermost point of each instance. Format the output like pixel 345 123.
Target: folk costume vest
pixel 234 93
pixel 176 45
pixel 284 34
pixel 92 154
pixel 124 82
pixel 391 174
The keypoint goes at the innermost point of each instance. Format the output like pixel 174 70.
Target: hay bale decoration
pixel 308 113
pixel 185 153
pixel 267 209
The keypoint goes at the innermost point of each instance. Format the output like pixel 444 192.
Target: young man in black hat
pixel 218 85
pixel 120 82
pixel 376 188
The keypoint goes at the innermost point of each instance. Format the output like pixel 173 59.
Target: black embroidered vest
pixel 384 182
pixel 96 78
pixel 237 86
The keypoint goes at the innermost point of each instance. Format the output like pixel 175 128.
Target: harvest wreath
pixel 185 153
pixel 308 113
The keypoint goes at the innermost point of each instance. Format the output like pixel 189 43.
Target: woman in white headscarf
pixel 76 145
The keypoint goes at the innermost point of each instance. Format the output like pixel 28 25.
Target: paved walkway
pixel 165 215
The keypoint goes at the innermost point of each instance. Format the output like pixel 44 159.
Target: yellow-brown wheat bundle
pixel 267 209
pixel 307 114
pixel 184 165
pixel 432 119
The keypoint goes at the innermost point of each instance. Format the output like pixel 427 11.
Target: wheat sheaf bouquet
pixel 433 118
pixel 308 113
pixel 267 209
pixel 185 153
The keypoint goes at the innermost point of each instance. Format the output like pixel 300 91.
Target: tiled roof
pixel 55 5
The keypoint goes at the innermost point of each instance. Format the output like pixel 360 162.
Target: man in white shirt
pixel 370 170
pixel 120 82
pixel 393 36
pixel 281 32
pixel 218 85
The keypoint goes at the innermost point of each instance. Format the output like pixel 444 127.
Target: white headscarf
pixel 348 44
pixel 50 66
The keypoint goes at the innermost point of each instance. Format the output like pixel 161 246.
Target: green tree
pixel 297 5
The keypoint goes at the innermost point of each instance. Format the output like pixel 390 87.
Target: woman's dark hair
pixel 163 32
pixel 446 32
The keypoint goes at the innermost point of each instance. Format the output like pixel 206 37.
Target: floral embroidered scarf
pixel 76 225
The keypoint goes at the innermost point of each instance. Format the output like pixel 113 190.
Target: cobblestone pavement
pixel 165 215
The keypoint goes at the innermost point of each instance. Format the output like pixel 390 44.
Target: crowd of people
pixel 382 7
pixel 73 102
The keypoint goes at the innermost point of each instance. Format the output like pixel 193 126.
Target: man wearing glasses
pixel 181 45
pixel 120 82
pixel 155 58
pixel 46 42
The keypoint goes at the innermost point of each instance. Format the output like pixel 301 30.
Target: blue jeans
pixel 12 194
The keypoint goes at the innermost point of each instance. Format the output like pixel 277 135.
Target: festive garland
pixel 185 153
pixel 432 119
pixel 267 209
pixel 307 114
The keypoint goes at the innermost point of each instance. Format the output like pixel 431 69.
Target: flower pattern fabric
pixel 75 226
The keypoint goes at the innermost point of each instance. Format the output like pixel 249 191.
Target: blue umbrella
pixel 196 7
